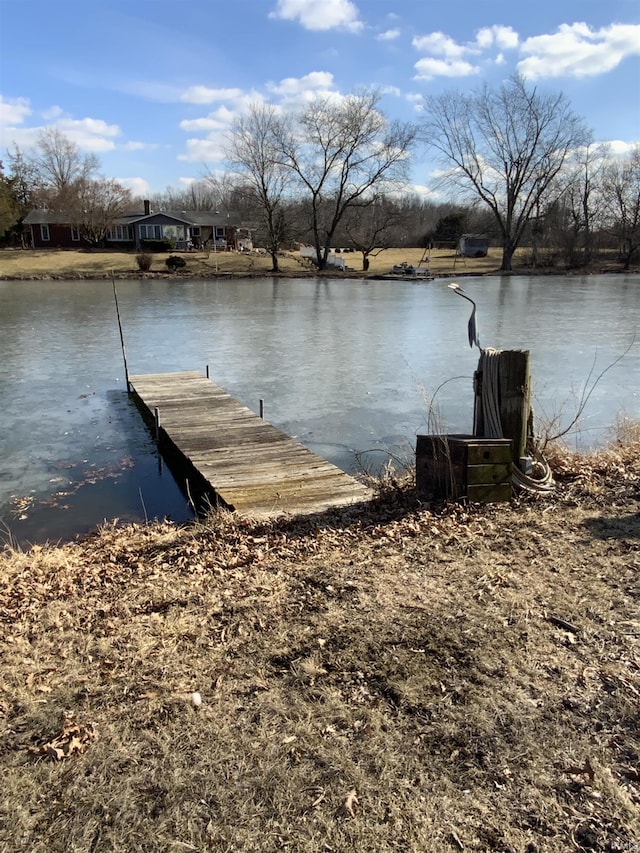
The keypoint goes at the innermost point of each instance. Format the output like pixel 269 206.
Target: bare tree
pixel 198 195
pixel 9 209
pixel 60 164
pixel 253 150
pixel 47 174
pixel 29 188
pixel 622 189
pixel 370 229
pixel 225 190
pixel 341 153
pixel 96 207
pixel 504 146
pixel 582 201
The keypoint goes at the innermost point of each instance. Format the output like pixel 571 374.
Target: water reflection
pixel 349 367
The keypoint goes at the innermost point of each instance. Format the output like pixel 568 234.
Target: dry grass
pixel 40 263
pixel 77 264
pixel 52 263
pixel 405 678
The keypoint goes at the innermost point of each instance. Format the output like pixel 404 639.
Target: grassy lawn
pixel 40 263
pixel 404 677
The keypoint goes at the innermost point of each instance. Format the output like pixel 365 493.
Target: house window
pixel 44 233
pixel 195 231
pixel 75 233
pixel 119 233
pixel 151 232
pixel 219 233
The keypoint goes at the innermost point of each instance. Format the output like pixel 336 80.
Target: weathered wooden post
pixel 503 398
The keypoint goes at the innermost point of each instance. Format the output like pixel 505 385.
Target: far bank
pixel 54 264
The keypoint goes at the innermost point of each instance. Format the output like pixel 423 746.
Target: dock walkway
pixel 221 447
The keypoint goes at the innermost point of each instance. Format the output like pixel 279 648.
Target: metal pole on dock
pixel 124 354
pixel 262 408
pixel 156 422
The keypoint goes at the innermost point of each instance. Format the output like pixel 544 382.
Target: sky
pixel 153 86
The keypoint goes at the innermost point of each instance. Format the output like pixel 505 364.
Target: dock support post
pixel 503 398
pixel 207 371
pixel 156 422
pixel 262 409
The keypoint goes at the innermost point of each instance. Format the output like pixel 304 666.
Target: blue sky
pixel 151 86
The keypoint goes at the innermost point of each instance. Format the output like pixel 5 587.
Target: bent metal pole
pixel 124 355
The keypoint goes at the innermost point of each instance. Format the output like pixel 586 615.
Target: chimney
pixel 147 207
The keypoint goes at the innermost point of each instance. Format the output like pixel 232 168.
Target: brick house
pixel 186 228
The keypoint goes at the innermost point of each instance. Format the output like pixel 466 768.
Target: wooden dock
pixel 220 449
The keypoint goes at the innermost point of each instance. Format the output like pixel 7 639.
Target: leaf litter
pixel 441 677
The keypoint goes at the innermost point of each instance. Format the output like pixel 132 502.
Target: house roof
pixel 43 216
pixel 157 215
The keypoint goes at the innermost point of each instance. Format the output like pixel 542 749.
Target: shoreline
pixel 334 274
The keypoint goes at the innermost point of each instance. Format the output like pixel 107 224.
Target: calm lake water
pixel 349 367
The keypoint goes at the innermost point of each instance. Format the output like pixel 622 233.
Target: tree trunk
pixel 507 257
pixel 274 262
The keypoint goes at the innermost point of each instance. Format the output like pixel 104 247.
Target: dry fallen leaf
pixel 74 739
pixel 347 808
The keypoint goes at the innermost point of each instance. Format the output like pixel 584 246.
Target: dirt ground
pixel 403 676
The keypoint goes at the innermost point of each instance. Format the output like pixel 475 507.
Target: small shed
pixel 473 246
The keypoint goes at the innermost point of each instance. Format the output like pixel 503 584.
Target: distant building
pixel 473 246
pixel 186 229
pixel 333 260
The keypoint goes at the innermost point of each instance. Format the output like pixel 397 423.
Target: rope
pixel 489 365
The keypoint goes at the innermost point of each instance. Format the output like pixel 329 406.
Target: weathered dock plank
pixel 246 462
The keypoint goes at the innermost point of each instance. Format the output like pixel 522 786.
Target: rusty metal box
pixel 464 466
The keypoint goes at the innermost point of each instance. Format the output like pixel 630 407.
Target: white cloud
pixel 138 186
pixel 324 15
pixel 618 148
pixel 52 113
pixel 13 110
pixel 204 95
pixel 429 68
pixel 423 191
pixel 218 120
pixel 293 86
pixel 89 134
pixel 505 38
pixel 446 56
pixel 576 50
pixel 388 35
pixel 439 44
pixel 297 91
pixel 23 137
pixel 213 128
pixel 139 146
pixel 203 151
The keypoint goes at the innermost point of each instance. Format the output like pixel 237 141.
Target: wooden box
pixel 464 466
